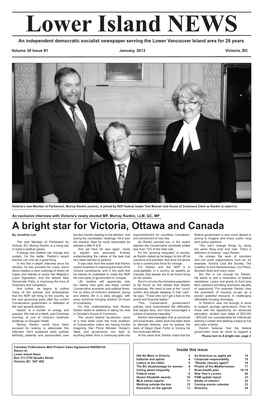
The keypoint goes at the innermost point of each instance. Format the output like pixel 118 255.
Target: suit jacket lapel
pixel 201 133
pixel 175 135
pixel 110 176
pixel 131 176
pixel 61 112
pixel 84 111
pixel 86 115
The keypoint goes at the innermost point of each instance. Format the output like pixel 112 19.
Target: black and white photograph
pixel 131 204
pixel 147 109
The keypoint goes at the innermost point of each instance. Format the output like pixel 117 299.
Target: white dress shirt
pixel 77 111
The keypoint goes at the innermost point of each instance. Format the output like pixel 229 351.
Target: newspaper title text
pixel 189 23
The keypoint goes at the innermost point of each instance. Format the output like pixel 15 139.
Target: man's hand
pixel 50 198
pixel 162 199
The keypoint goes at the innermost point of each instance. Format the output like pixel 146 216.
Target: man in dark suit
pixel 122 178
pixel 63 137
pixel 197 163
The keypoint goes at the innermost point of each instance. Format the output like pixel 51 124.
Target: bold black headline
pixel 189 23
pixel 32 226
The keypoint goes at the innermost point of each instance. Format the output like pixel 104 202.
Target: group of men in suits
pixel 63 137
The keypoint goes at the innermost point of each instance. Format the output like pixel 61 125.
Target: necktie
pixel 79 125
pixel 121 180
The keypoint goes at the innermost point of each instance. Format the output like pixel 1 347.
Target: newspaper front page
pixel 115 300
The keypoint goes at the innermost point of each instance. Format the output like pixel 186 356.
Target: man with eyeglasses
pixel 63 137
pixel 123 178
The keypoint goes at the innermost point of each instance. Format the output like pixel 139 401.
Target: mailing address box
pixel 70 369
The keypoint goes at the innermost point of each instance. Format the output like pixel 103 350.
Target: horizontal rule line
pixel 136 35
pixel 123 209
pixel 131 12
pixel 135 56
